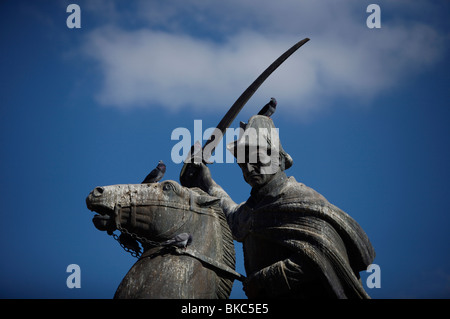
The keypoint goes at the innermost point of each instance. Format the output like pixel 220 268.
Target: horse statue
pixel 153 215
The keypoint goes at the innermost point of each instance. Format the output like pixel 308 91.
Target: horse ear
pixel 207 201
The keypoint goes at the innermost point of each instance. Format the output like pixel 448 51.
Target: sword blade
pixel 245 96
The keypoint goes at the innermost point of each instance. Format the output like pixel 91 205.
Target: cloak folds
pixel 318 233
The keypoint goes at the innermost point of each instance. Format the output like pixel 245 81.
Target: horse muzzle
pixel 103 220
pixel 104 223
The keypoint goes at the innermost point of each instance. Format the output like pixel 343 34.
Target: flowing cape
pixel 326 237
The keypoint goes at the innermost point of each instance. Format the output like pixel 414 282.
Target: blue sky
pixel 364 113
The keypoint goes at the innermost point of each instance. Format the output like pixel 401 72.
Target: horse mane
pixel 228 257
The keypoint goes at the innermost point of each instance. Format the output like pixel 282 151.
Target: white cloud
pixel 179 67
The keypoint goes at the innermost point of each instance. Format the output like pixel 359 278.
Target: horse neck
pixel 206 233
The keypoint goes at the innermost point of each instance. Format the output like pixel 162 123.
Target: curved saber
pixel 241 101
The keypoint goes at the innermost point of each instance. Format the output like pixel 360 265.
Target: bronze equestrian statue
pixel 296 244
pixel 153 214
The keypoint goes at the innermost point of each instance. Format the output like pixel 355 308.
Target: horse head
pixel 155 213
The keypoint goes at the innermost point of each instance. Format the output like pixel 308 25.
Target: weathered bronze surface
pixel 155 213
pixel 296 244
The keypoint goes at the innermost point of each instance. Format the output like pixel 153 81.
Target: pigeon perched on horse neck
pixel 181 240
pixel 269 108
pixel 156 174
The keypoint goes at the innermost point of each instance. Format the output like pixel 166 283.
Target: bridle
pixel 187 251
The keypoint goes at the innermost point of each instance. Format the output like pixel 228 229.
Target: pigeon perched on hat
pixel 269 108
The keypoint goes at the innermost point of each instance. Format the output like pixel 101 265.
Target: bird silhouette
pixel 269 108
pixel 181 240
pixel 156 174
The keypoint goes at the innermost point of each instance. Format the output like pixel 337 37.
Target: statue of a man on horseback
pixel 296 244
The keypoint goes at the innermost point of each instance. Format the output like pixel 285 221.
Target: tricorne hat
pixel 260 134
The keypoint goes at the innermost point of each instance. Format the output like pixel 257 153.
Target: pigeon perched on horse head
pixel 269 108
pixel 156 174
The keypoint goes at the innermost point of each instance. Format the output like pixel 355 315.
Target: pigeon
pixel 269 108
pixel 181 240
pixel 156 174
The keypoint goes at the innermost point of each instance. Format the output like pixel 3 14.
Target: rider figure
pixel 296 244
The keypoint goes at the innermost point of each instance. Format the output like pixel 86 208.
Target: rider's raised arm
pixel 199 175
pixel 226 203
